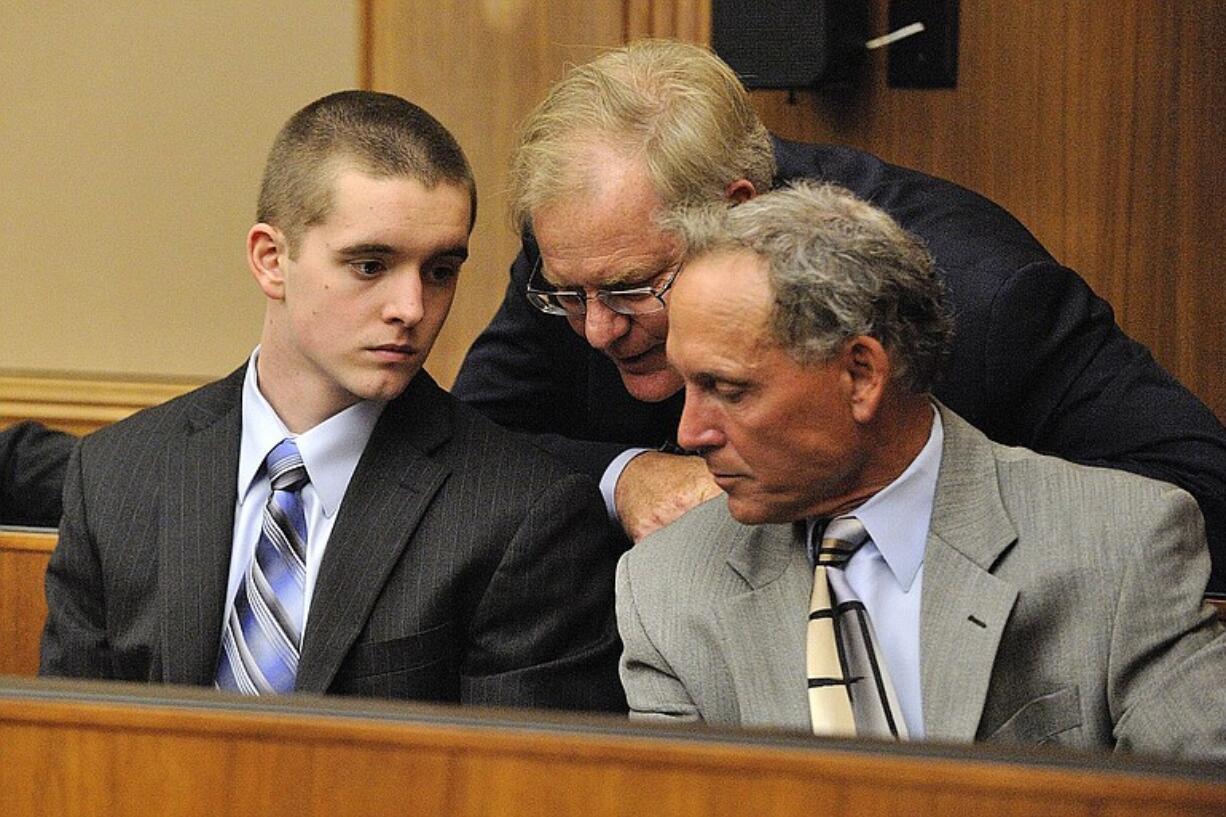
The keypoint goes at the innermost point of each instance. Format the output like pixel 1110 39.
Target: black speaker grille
pixel 772 43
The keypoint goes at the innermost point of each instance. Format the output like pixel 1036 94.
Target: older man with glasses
pixel 1037 358
pixel 634 301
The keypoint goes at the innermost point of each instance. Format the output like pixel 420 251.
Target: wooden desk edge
pixel 33 540
pixel 551 738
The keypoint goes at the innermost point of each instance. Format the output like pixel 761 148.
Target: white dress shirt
pixel 887 572
pixel 330 451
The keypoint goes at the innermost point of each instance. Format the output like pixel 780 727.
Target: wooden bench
pixel 23 608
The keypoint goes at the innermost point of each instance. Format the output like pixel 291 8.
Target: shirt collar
pixel 897 516
pixel 330 451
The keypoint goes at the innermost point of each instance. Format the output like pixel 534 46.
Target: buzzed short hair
pixel 379 134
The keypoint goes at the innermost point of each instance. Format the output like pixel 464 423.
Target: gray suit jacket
pixel 1060 604
pixel 465 564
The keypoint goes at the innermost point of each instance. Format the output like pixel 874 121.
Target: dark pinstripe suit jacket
pixel 465 564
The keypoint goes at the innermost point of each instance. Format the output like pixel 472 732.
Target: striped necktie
pixel 849 689
pixel 263 632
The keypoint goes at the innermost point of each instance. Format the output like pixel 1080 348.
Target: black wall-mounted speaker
pixel 790 43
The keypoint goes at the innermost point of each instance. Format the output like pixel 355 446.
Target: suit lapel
pixel 964 607
pixel 391 489
pixel 764 629
pixel 196 531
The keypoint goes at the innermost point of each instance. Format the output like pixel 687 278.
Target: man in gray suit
pixel 1014 596
pixel 394 543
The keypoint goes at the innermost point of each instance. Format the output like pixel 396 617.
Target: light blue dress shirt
pixel 612 473
pixel 887 572
pixel 330 451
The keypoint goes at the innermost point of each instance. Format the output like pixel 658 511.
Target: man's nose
pixel 698 430
pixel 404 302
pixel 602 326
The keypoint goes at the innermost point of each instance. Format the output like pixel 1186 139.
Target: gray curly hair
pixel 839 267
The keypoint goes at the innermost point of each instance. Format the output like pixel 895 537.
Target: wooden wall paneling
pixel 1101 129
pixel 366 43
pixel 1201 177
pixel 1122 186
pixel 23 606
pixel 680 19
pixel 480 68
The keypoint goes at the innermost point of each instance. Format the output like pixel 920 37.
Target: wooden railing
pixel 68 749
pixel 83 404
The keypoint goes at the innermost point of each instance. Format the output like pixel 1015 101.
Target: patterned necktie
pixel 263 633
pixel 849 688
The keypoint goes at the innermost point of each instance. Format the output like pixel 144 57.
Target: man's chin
pixel 651 387
pixel 389 386
pixel 745 513
pixel 751 503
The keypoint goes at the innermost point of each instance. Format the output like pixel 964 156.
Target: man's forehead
pixel 386 213
pixel 605 230
pixel 731 279
pixel 609 258
pixel 602 274
pixel 721 301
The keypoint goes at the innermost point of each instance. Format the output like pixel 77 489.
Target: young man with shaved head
pixel 326 519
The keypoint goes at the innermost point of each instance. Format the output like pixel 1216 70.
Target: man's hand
pixel 656 488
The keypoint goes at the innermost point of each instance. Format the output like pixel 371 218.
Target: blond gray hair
pixel 676 106
pixel 838 267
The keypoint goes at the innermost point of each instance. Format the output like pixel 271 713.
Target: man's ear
pixel 267 252
pixel 868 368
pixel 739 191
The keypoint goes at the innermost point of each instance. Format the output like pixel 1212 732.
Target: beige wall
pixel 132 135
pixel 480 67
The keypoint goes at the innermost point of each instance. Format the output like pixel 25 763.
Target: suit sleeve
pixel 543 634
pixel 32 463
pixel 1168 652
pixel 528 371
pixel 1064 379
pixel 653 691
pixel 74 642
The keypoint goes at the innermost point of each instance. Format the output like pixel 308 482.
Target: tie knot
pixel 285 469
pixel 840 539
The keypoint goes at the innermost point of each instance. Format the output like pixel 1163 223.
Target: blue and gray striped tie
pixel 263 633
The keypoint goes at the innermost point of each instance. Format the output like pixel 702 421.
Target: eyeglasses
pixel 573 302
